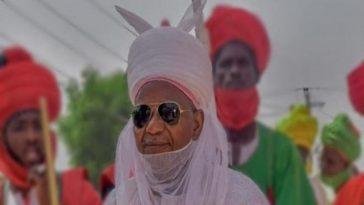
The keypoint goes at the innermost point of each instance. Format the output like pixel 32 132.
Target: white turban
pixel 169 54
pixel 173 55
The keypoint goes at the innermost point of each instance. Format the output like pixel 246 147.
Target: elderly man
pixel 353 190
pixel 22 83
pixel 174 150
pixel 240 50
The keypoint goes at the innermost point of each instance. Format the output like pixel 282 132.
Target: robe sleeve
pixel 352 191
pixel 290 182
pixel 77 190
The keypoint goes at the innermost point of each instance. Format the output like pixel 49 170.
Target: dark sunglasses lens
pixel 141 115
pixel 169 112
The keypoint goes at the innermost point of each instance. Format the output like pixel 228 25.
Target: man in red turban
pixel 22 156
pixel 353 190
pixel 240 51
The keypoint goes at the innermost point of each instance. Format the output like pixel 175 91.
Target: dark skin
pixel 235 67
pixel 23 138
pixel 332 161
pixel 158 136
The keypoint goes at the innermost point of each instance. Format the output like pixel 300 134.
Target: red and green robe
pixel 75 189
pixel 277 169
pixel 352 191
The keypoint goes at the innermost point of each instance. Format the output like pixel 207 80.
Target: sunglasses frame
pixel 157 105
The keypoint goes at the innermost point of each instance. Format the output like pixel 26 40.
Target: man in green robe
pixel 240 49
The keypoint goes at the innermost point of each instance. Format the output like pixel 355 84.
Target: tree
pixel 96 114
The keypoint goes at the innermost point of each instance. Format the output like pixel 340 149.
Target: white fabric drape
pixel 173 55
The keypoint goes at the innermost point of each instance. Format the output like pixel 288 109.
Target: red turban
pixel 22 83
pixel 356 88
pixel 228 24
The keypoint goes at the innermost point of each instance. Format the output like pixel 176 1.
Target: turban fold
pixel 228 24
pixel 22 83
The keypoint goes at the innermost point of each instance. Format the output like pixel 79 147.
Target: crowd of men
pixel 193 137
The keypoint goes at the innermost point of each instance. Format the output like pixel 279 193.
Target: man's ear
pixel 198 116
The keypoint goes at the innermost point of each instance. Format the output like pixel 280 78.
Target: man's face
pixel 22 136
pixel 158 136
pixel 235 67
pixel 332 161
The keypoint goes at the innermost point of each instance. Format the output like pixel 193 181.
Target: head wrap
pixel 343 136
pixel 228 24
pixel 355 82
pixel 172 55
pixel 300 126
pixel 22 83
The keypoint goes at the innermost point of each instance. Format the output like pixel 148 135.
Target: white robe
pixel 242 191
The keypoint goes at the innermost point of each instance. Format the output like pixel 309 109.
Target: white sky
pixel 315 43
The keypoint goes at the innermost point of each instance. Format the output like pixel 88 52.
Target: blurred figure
pixel 341 148
pixel 22 155
pixel 240 51
pixel 301 127
pixel 353 190
pixel 107 181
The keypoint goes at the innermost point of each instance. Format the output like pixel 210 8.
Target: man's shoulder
pixel 76 188
pixel 276 137
pixel 242 188
pixel 75 173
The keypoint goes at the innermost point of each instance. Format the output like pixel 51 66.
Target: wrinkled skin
pixel 158 136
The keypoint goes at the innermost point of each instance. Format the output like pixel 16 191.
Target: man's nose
pixel 235 68
pixel 155 125
pixel 33 134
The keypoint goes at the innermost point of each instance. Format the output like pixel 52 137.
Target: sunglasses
pixel 170 113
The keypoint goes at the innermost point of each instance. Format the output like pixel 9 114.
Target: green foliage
pixel 97 112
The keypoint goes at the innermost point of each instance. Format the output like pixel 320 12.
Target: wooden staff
pixel 51 174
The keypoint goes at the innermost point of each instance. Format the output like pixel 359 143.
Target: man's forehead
pixel 241 47
pixel 159 91
pixel 25 115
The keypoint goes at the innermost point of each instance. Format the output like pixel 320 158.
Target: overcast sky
pixel 315 43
